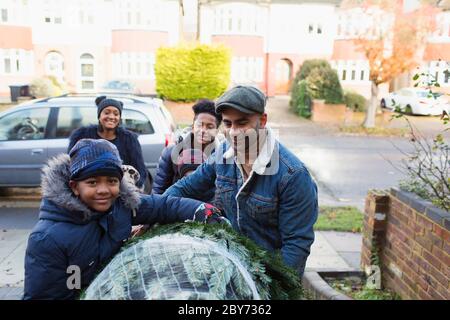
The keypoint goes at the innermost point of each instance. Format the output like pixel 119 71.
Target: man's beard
pixel 247 145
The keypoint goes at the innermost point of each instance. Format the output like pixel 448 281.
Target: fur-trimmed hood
pixel 55 188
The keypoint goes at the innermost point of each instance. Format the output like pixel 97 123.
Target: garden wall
pixel 328 113
pixel 181 111
pixel 340 115
pixel 410 238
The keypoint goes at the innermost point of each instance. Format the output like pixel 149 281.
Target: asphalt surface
pixel 344 167
pixel 18 218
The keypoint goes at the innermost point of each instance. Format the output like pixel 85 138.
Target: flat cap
pixel 246 99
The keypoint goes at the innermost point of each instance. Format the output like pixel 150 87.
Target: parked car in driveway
pixel 31 133
pixel 119 86
pixel 414 101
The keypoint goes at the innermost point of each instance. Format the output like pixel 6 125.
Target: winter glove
pixel 207 213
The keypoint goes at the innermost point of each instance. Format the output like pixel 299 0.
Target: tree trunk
pixel 369 121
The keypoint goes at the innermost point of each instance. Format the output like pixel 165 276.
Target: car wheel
pixel 408 109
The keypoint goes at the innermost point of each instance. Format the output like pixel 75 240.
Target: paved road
pixel 345 167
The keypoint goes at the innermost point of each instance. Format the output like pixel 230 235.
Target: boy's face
pixel 205 128
pixel 98 193
pixel 110 118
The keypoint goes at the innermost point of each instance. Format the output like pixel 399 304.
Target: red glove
pixel 207 213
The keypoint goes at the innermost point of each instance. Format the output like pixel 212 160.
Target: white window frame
pixel 82 78
pixel 21 62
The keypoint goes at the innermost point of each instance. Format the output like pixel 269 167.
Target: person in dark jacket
pixel 263 188
pixel 109 113
pixel 189 161
pixel 202 137
pixel 86 216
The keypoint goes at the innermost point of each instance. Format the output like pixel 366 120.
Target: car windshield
pixel 428 94
pixel 119 85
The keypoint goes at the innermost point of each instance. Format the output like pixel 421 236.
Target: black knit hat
pixel 102 102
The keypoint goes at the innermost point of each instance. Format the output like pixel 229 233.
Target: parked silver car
pixel 31 133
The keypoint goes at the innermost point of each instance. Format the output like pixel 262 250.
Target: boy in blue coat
pixel 86 216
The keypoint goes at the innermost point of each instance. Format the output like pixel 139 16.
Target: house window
pixel 310 28
pixel 58 20
pixel 344 75
pixel 87 85
pixel 7 65
pixel 353 74
pixel 446 75
pixel 48 19
pixel 319 29
pixel 87 71
pixel 4 15
pixel 362 75
pixel 138 18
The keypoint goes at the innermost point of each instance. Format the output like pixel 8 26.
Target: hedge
pixel 355 101
pixel 189 73
pixel 301 99
pixel 324 84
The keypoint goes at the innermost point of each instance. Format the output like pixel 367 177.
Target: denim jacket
pixel 276 207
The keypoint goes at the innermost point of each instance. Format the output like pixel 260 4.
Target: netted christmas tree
pixel 194 261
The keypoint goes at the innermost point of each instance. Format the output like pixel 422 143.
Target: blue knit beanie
pixel 89 158
pixel 102 102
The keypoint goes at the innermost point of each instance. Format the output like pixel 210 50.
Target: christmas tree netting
pixel 193 261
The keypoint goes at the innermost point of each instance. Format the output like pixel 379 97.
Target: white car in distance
pixel 415 101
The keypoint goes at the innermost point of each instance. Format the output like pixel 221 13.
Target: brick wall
pixel 328 113
pixel 181 111
pixel 411 240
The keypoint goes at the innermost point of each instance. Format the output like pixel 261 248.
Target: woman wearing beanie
pixel 86 215
pixel 109 113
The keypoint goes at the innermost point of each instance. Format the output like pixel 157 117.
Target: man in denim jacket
pixel 263 189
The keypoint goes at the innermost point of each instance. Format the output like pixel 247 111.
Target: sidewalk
pixel 331 251
pixel 335 251
pixel 12 252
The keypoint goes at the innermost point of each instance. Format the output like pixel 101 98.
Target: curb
pixel 319 289
pixel 19 204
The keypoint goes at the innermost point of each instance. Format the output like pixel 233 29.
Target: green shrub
pixel 306 68
pixel 314 80
pixel 301 100
pixel 309 65
pixel 323 83
pixel 189 73
pixel 355 101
